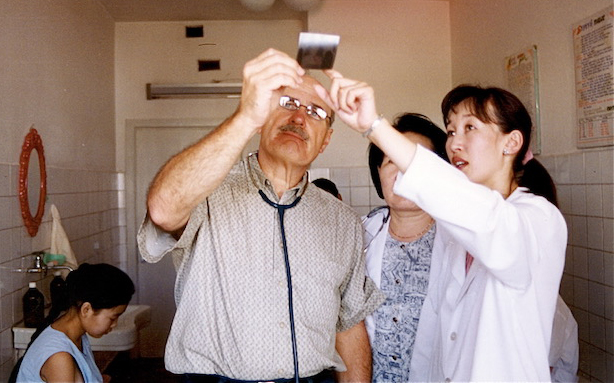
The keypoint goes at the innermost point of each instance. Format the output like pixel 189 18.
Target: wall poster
pixel 592 39
pixel 523 80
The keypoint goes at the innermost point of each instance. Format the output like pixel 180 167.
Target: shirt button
pixel 395 320
pixel 453 336
pixel 397 281
pixel 281 283
pixel 282 324
pixel 394 357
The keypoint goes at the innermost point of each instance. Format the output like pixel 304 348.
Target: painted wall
pixel 584 177
pixel 57 69
pixel 160 53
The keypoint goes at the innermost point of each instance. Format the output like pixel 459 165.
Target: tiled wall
pixel 356 188
pixel 93 216
pixel 585 183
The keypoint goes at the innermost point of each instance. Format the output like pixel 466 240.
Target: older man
pixel 270 282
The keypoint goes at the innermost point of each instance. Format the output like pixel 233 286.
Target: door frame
pixel 132 221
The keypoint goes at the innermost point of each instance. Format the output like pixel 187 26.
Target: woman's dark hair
pixel 498 106
pixel 408 122
pixel 102 285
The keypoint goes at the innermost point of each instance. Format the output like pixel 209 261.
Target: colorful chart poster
pixel 522 80
pixel 594 58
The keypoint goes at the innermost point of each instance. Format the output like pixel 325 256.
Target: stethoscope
pixel 384 221
pixel 281 209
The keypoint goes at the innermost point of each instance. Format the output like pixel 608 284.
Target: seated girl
pixel 98 294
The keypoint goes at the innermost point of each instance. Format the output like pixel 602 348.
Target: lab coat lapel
pixel 469 278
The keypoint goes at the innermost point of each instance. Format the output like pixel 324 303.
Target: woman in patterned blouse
pixel 400 241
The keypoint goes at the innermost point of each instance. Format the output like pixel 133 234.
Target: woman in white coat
pixel 500 250
pixel 400 239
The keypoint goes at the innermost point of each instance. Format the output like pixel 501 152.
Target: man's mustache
pixel 295 129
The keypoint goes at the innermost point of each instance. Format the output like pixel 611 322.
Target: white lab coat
pixel 495 322
pixel 376 231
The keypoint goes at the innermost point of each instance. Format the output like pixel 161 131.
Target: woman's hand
pixel 353 101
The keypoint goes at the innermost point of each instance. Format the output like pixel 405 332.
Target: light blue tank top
pixel 52 341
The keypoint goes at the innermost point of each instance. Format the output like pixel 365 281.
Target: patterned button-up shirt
pixel 231 292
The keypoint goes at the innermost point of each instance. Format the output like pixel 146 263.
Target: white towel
pixel 59 241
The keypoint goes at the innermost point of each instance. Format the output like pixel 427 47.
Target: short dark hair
pixel 327 185
pixel 408 122
pixel 102 285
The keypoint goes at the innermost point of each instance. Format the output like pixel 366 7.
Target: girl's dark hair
pixel 102 285
pixel 498 106
pixel 408 122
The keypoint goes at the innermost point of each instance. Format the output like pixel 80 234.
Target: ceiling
pixel 185 10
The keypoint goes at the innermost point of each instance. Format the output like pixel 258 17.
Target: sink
pixel 123 337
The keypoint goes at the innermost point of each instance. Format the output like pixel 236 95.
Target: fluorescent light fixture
pixel 213 90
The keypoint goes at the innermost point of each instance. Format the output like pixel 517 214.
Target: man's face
pixel 294 136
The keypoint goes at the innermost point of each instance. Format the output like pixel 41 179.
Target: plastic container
pixel 59 296
pixel 33 306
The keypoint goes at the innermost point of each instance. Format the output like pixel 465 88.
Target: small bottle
pixel 57 289
pixel 33 306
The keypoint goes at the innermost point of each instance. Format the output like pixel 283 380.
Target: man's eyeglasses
pixel 313 111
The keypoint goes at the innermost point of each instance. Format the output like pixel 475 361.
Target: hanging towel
pixel 59 241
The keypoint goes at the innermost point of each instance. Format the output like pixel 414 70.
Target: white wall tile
pixel 580 291
pixel 610 366
pixel 608 200
pixel 6 345
pixel 359 176
pixel 597 330
pixel 583 325
pixel 6 312
pixel 596 298
pixel 578 234
pixel 597 363
pixel 578 199
pixel 359 196
pixel 564 197
pixel 5 184
pixel 576 165
pixel 609 336
pixel 606 158
pixel 341 176
pixel 580 262
pixel 563 170
pixel 592 166
pixel 608 235
pixel 594 232
pixel 594 200
pixel 608 296
pixel 567 289
pixel 345 193
pixel 374 199
pixel 608 269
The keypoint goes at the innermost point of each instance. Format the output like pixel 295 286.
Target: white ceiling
pixel 185 10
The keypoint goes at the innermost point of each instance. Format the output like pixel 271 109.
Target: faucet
pixel 39 266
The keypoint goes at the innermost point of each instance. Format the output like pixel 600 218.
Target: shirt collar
pixel 261 182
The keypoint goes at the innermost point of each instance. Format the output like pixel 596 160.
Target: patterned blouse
pixel 404 281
